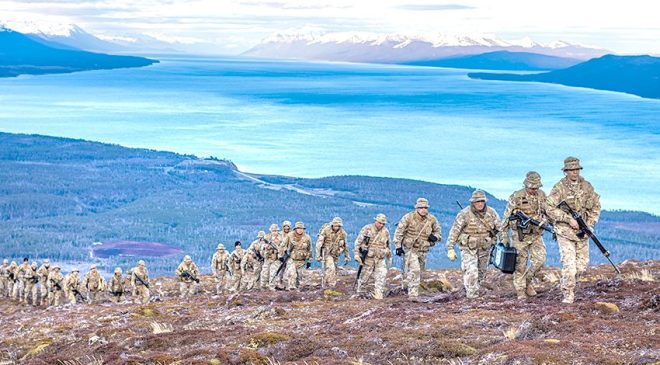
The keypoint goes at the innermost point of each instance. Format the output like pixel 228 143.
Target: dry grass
pixel 161 327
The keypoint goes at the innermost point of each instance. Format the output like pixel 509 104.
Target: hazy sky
pixel 629 27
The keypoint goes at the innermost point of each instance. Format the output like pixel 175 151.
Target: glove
pixel 399 251
pixel 433 238
pixel 358 260
pixel 451 254
pixel 308 265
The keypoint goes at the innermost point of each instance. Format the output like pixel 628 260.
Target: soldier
pixel 72 285
pixel 579 194
pixel 13 280
pixel 331 243
pixel 117 286
pixel 140 283
pixel 188 275
pixel 43 272
pixel 128 286
pixel 374 240
pixel 286 229
pixel 270 252
pixel 531 201
pixel 5 288
pixel 55 285
pixel 249 268
pixel 256 248
pixel 475 231
pixel 19 279
pixel 299 245
pixel 94 283
pixel 415 234
pixel 235 266
pixel 30 280
pixel 220 268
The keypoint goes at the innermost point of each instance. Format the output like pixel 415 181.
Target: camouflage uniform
pixel 270 252
pixel 43 272
pixel 300 247
pixel 378 249
pixel 188 275
pixel 574 251
pixel 220 268
pixel 116 286
pixel 476 233
pixel 30 278
pixel 5 288
pixel 235 265
pixel 257 265
pixel 72 285
pixel 141 292
pixel 329 246
pixel 249 269
pixel 529 240
pixel 55 285
pixel 417 231
pixel 278 281
pixel 94 283
pixel 19 280
pixel 12 277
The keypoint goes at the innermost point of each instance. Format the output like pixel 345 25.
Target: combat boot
pixel 530 291
pixel 521 295
pixel 568 298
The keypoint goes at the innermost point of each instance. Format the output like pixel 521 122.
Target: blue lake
pixel 318 119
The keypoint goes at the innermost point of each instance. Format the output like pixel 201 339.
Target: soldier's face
pixel 423 211
pixel 479 205
pixel 286 228
pixel 380 225
pixel 335 228
pixel 573 175
pixel 532 191
pixel 299 230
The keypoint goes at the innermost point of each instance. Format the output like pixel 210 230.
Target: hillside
pixel 58 196
pixel 21 54
pixel 637 75
pixel 613 321
pixel 502 60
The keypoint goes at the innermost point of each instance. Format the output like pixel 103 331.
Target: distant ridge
pixel 637 75
pixel 502 60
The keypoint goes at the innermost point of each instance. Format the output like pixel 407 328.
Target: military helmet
pixel 421 203
pixel 187 258
pixel 336 221
pixel 274 227
pixel 93 267
pixel 261 234
pixel 381 218
pixel 220 246
pixel 75 269
pixel 299 225
pixel 286 223
pixel 34 263
pixel 478 196
pixel 56 267
pixel 532 180
pixel 571 163
pixel 46 261
pixel 5 261
pixel 117 270
pixel 141 263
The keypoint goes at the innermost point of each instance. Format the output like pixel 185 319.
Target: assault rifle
pixel 363 257
pixel 224 262
pixel 12 277
pixel 585 231
pixel 78 295
pixel 58 285
pixel 524 221
pixel 141 280
pixel 35 279
pixel 187 275
pixel 322 267
pixel 280 270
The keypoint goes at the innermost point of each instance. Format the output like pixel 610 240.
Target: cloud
pixel 435 7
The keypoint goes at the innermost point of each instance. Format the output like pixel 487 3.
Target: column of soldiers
pixel 279 259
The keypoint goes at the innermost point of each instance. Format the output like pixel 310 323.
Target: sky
pixel 231 27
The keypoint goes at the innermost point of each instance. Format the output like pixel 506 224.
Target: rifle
pixel 35 279
pixel 363 256
pixel 585 231
pixel 12 277
pixel 78 294
pixel 117 293
pixel 322 267
pixel 280 270
pixel 524 221
pixel 57 285
pixel 187 275
pixel 141 281
pixel 224 262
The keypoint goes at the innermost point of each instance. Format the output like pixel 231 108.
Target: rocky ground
pixel 615 320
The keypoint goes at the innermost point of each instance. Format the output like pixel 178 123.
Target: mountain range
pixel 502 60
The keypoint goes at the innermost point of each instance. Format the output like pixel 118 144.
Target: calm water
pixel 319 119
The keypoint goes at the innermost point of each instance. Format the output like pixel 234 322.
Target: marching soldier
pixel 235 266
pixel 257 264
pixel 94 283
pixel 117 286
pixel 5 288
pixel 374 245
pixel 249 268
pixel 331 243
pixel 43 272
pixel 299 244
pixel 13 279
pixel 475 230
pixel 72 285
pixel 220 268
pixel 286 229
pixel 140 283
pixel 415 234
pixel 55 285
pixel 188 275
pixel 579 194
pixel 30 280
pixel 270 252
pixel 19 279
pixel 531 201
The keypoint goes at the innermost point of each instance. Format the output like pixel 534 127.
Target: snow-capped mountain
pixel 394 48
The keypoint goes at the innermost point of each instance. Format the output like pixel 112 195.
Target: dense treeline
pixel 58 196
